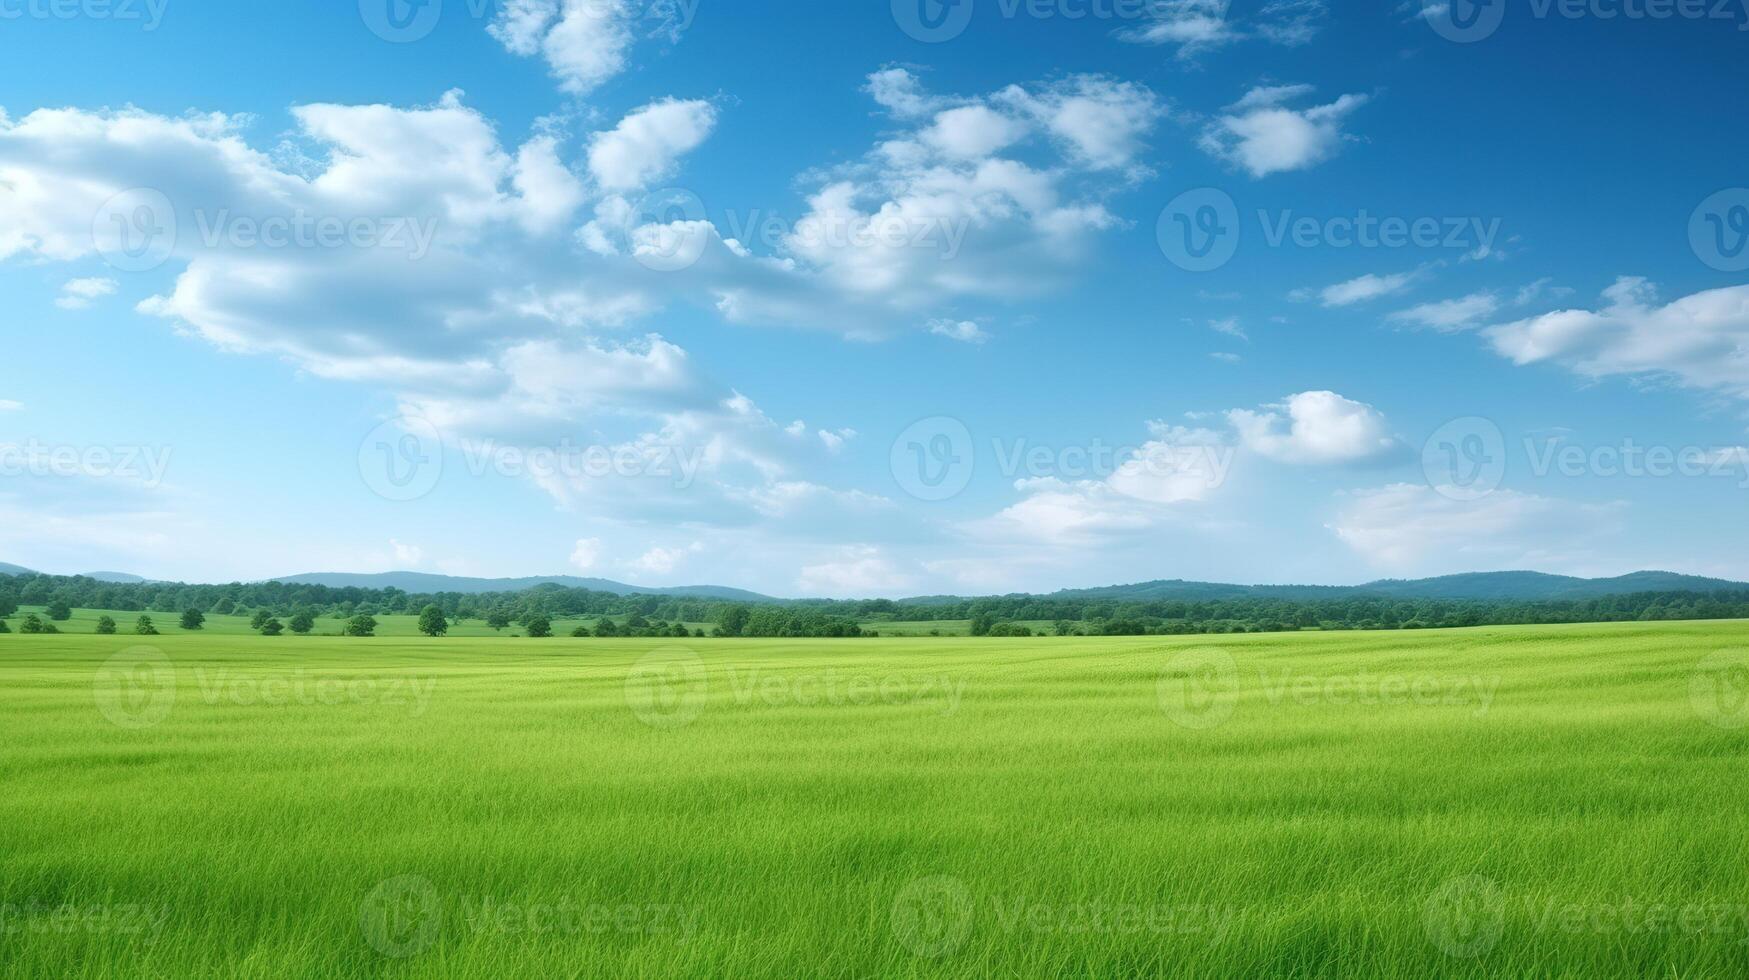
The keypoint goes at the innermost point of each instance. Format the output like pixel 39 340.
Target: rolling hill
pixel 423 583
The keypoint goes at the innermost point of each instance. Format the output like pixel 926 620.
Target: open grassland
pixel 1539 801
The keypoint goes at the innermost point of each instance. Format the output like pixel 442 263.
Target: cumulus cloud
pixel 855 571
pixel 1262 135
pixel 1407 527
pixel 586 553
pixel 1315 427
pixel 1700 341
pixel 584 42
pixel 1452 314
pixel 663 561
pixel 646 145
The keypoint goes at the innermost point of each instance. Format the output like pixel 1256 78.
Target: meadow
pixel 1529 801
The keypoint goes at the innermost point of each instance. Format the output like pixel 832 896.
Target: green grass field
pixel 1542 801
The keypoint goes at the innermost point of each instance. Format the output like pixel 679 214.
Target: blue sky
pixel 806 304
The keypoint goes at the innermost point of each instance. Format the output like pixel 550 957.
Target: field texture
pixel 1544 801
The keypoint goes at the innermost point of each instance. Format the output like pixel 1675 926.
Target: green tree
pixel 498 619
pixel 143 626
pixel 8 602
pixel 260 619
pixel 606 627
pixel 303 622
pixel 193 619
pixel 4 628
pixel 106 625
pixel 540 627
pixel 363 625
pixel 431 621
pixel 59 611
pixel 272 627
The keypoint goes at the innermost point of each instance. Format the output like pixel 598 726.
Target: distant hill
pixel 6 569
pixel 425 584
pixel 1521 586
pixel 119 578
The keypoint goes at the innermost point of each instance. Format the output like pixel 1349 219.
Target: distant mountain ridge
pixel 424 583
pixel 1492 586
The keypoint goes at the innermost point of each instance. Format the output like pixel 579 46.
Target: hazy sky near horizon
pixel 874 298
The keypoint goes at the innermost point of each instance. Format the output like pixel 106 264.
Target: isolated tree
pixel 4 628
pixel 260 619
pixel 579 632
pixel 302 622
pixel 193 619
pixel 498 619
pixel 362 625
pixel 431 621
pixel 272 627
pixel 143 626
pixel 540 627
pixel 59 611
pixel 106 625
pixel 33 624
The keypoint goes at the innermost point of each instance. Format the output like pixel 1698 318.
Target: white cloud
pixel 1414 528
pixel 855 572
pixel 964 331
pixel 1700 340
pixel 972 132
pixel 1198 26
pixel 1451 314
pixel 1263 136
pixel 586 554
pixel 646 144
pixel 1230 327
pixel 585 42
pixel 1362 289
pixel 77 294
pixel 406 555
pixel 1315 427
pixel 663 561
pixel 8 405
